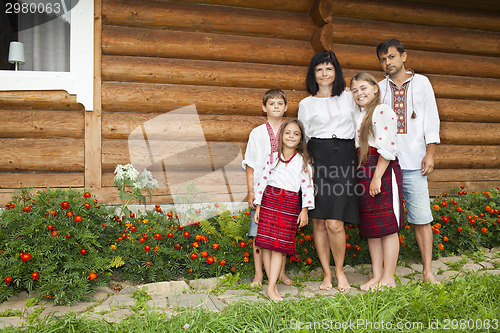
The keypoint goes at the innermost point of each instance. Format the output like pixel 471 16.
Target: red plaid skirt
pixel 278 216
pixel 376 214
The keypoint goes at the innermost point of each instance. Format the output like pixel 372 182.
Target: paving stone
pixel 495 250
pixel 233 293
pixel 179 286
pixel 128 290
pixel 158 302
pixel 446 275
pixel 489 255
pixel 204 284
pixel 156 289
pixel 489 271
pixel 349 269
pixel 119 314
pixel 472 267
pixel 287 290
pixel 437 265
pixel 17 304
pixel 255 298
pixel 10 322
pixel 404 281
pixel 115 301
pixel 293 274
pixel 316 273
pixel 402 271
pixel 486 265
pixel 418 277
pixel 450 259
pixel 356 278
pixel 209 302
pixel 363 269
pixel 417 267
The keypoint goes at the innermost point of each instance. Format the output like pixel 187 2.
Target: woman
pixel 328 118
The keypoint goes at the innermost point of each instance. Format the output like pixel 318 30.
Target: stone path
pixel 171 297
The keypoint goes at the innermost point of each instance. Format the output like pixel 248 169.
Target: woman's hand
pixel 256 215
pixel 375 185
pixel 303 218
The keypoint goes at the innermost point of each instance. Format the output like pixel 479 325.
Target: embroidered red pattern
pixel 399 105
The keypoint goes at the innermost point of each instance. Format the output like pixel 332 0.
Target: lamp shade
pixel 16 53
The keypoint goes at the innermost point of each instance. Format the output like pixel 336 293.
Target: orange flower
pixel 245 259
pixel 77 219
pixel 92 276
pixel 441 246
pixel 444 204
pixel 436 231
pixel 484 230
pixel 488 209
pixel 210 260
pixel 435 207
pixel 193 255
pixel 204 254
pixel 460 209
pixel 27 209
pixel 407 227
pixel 308 238
pixel 445 239
pixel 233 268
pixel 309 261
pixel 347 246
pixel 215 246
pixel 306 251
pixel 222 262
pixel 459 229
pixel 247 213
pixel 147 248
pixel 86 195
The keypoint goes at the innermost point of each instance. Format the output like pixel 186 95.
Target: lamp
pixel 16 54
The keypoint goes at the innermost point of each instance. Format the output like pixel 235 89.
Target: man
pixel 412 98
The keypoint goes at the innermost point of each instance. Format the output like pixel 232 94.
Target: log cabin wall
pixel 220 56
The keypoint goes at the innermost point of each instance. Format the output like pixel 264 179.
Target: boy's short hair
pixel 383 47
pixel 273 93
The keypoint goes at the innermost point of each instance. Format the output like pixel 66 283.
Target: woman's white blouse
pixel 328 117
pixel 385 129
pixel 291 176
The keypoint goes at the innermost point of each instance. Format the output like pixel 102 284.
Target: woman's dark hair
pixel 325 57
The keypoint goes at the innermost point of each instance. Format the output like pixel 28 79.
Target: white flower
pixel 186 326
pixel 146 180
pixel 126 173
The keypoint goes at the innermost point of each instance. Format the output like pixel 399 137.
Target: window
pixel 59 48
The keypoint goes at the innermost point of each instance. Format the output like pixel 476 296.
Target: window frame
pixel 80 79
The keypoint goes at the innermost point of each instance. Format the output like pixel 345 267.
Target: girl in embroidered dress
pixel 278 203
pixel 381 205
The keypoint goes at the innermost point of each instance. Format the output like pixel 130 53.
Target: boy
pixel 263 141
pixel 412 99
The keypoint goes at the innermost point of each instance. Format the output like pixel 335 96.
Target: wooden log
pixel 416 37
pixel 14 180
pixel 213 19
pixel 34 124
pixel 193 45
pixel 448 175
pixel 182 127
pixel 488 5
pixel 129 97
pixel 463 157
pixel 463 110
pixel 364 57
pixel 176 155
pixel 415 13
pixel 39 100
pixel 299 6
pixel 322 12
pixel 41 155
pixel 470 133
pixel 202 72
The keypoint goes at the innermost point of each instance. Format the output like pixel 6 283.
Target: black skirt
pixel 335 180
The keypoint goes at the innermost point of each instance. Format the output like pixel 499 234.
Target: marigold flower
pixel 245 259
pixel 86 195
pixel 204 254
pixel 306 251
pixel 35 275
pixel 435 207
pixel 222 262
pixel 186 234
pixel 243 244
pixel 78 219
pixel 180 227
pixel 247 213
pixel 25 257
pixel 193 255
pixel 197 211
pixel 233 268
pixel 147 248
pixel 347 246
pixel 170 215
pixel 157 236
pixel 210 260
pixel 177 216
pixel 177 246
pixel 441 246
pixel 86 205
pixel 92 276
pixel 309 261
pixel 68 236
pixel 170 235
pixel 8 279
pixel 308 238
pixel 454 202
pixel 195 244
pixel 459 229
pixel 83 251
pixel 27 209
pixel 113 247
pixel 197 237
pixel 407 227
pixel 445 239
pixel 215 246
pixel 246 254
pixel 444 194
pixel 460 209
pixel 484 230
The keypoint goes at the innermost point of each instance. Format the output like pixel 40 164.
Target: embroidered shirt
pixel 258 149
pixel 291 176
pixel 328 117
pixel 384 127
pixel 421 130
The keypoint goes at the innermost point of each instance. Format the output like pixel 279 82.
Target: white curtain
pixel 46 45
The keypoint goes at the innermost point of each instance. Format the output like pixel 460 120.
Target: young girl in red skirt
pixel 279 207
pixel 381 211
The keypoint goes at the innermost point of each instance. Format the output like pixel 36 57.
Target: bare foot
pixel 367 286
pixel 273 295
pixel 429 277
pixel 343 285
pixel 285 279
pixel 391 283
pixel 327 283
pixel 256 282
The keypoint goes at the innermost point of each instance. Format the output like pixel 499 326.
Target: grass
pixel 468 303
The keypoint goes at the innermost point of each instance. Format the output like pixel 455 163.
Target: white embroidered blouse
pixel 385 130
pixel 291 176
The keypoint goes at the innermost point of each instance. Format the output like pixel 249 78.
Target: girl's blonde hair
pixel 367 124
pixel 301 147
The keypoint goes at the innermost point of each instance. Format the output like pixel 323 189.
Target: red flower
pixel 445 239
pixel 92 276
pixel 86 205
pixel 444 194
pixel 197 211
pixel 170 235
pixel 216 205
pixel 170 215
pixel 51 212
pixel 10 206
pixel 460 209
pixel 247 213
pixel 444 204
pixel 83 251
pixel 459 229
pixel 132 215
pixel 441 246
pixel 210 260
pixel 245 259
pixel 68 236
pixel 69 214
pixel 27 209
pixel 446 219
pixel 195 244
pixel 64 205
pixel 347 246
pixel 309 261
pixel 246 254
pixel 186 234
pixel 197 237
pixel 78 219
pixel 243 244
pixel 26 257
pixel 148 263
pixel 177 246
pixel 357 248
pixel 8 279
pixel 86 195
pixel 142 240
pixel 157 236
pixel 147 248
pixel 50 227
pixel 222 262
pixel 177 216
pixel 194 255
pixel 54 233
pixel 35 275
pixel 180 227
pixel 484 230
pixel 215 246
